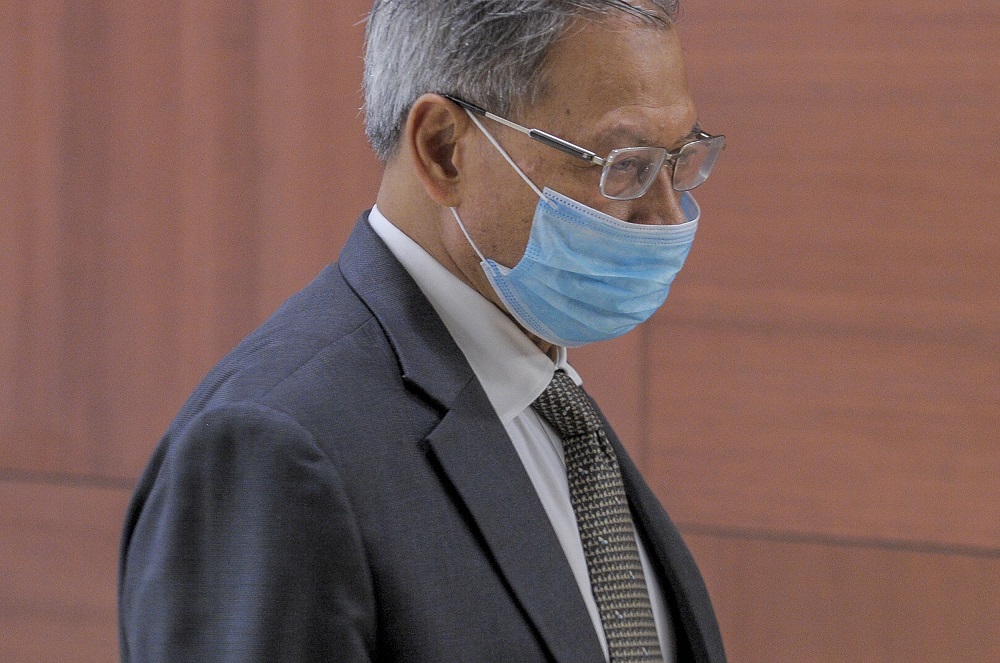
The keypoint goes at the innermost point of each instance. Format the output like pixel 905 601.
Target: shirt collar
pixel 512 370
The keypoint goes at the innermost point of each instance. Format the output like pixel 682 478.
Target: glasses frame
pixel 545 138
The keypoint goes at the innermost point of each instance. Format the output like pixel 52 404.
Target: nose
pixel 661 205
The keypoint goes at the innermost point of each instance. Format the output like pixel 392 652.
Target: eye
pixel 631 169
pixel 636 165
pixel 625 165
pixel 643 168
pixel 637 160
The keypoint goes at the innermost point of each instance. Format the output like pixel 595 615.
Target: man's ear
pixel 433 131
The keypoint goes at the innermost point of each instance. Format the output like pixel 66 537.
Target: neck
pixel 404 202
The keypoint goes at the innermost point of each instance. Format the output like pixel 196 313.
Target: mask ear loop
pixel 506 156
pixel 468 238
pixel 513 165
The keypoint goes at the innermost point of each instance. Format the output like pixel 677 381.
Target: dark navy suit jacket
pixel 340 489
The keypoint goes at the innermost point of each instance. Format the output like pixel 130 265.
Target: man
pixel 399 464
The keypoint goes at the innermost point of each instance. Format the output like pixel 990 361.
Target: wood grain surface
pixel 58 561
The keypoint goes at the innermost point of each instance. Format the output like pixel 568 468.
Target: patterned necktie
pixel 602 516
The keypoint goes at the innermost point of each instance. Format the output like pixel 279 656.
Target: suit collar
pixel 428 357
pixel 511 368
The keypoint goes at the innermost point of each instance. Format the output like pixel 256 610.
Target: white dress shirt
pixel 513 372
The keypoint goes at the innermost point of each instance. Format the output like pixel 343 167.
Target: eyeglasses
pixel 629 172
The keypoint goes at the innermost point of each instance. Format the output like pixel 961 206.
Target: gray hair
pixel 489 52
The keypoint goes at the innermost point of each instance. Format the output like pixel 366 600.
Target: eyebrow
pixel 691 135
pixel 638 141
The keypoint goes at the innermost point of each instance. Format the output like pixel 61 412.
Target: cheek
pixel 501 224
pixel 497 209
pixel 582 184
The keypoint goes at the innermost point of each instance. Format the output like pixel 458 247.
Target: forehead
pixel 616 75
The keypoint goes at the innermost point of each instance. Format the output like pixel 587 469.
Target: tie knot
pixel 566 407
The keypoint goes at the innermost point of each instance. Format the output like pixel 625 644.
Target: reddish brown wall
pixel 817 404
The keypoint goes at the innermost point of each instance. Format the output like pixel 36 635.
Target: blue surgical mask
pixel 586 276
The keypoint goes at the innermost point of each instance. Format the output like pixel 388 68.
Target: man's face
pixel 611 83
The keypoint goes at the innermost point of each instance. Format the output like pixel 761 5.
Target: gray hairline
pixel 521 83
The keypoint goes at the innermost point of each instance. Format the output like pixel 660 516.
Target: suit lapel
pixel 481 464
pixel 475 455
pixel 429 360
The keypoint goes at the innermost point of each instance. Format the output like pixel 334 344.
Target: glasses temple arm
pixel 565 146
pixel 534 134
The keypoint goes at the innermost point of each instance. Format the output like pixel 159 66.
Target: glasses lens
pixel 629 172
pixel 695 162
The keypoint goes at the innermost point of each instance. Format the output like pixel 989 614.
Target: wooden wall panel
pixel 821 429
pixel 852 167
pixel 787 600
pixel 34 300
pixel 317 171
pixel 823 402
pixel 14 192
pixel 828 361
pixel 215 283
pixel 58 565
pixel 180 170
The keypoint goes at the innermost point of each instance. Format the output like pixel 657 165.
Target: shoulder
pixel 318 339
pixel 322 371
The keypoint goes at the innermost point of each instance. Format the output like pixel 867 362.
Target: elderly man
pixel 400 465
